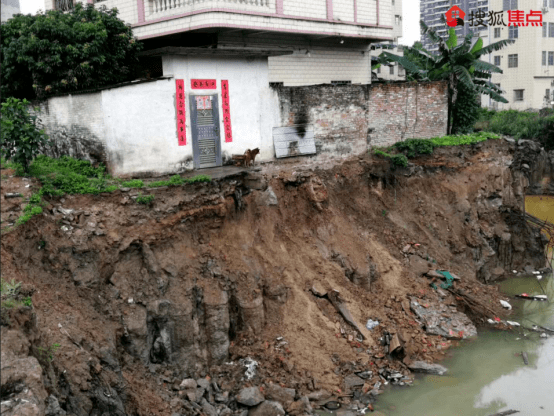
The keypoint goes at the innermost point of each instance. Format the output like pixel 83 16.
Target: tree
pixel 57 52
pixel 458 64
pixel 20 139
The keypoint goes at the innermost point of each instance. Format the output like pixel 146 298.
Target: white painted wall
pixel 136 124
pixel 254 106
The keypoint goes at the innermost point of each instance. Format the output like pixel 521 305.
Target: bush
pixel 145 199
pixel 135 183
pixel 21 140
pixel 522 125
pixel 396 160
pixel 59 52
pixel 414 147
pixel 69 175
pixel 34 207
pixel 465 111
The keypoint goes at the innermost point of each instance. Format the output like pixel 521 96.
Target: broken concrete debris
pixel 443 320
pixel 250 396
pixel 423 367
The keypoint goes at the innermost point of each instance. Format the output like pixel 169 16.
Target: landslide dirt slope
pixel 140 297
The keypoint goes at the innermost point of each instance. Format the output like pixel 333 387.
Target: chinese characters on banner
pixel 226 111
pixel 203 84
pixel 181 114
pixel 515 18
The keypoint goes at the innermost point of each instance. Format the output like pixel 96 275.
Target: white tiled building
pixel 329 38
pixel 9 8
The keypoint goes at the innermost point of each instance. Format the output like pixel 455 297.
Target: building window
pixel 512 61
pixel 513 32
pixel 547 94
pixel 397 19
pixel 518 95
pixel 550 58
pixel 496 32
pixel 497 60
pixel 391 70
pixel 510 5
pixel 379 70
pixel 543 58
pixel 551 3
pixel 551 30
pixel 393 2
pixel 544 29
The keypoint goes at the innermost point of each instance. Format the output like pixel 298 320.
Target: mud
pixel 142 297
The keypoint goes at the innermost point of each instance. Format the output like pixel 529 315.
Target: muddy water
pixel 488 375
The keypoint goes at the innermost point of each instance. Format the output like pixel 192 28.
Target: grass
pixel 396 160
pixel 145 199
pixel 67 175
pixel 9 295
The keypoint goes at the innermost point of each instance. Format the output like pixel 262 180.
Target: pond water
pixel 487 375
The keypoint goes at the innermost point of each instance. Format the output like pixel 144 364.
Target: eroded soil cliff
pixel 141 297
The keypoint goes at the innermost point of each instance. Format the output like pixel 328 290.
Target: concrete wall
pixel 133 128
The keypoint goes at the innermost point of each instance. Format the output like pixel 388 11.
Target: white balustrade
pixel 161 8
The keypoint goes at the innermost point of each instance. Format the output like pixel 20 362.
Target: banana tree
pixel 458 64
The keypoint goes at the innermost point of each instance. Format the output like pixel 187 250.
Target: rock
pixel 442 320
pixel 202 382
pixel 418 265
pixel 318 290
pixel 423 367
pixel 525 166
pixel 225 412
pixel 407 248
pixel 435 274
pixel 351 381
pixel 66 211
pixel 280 394
pixel 208 409
pixel 268 197
pixel 250 396
pixel 222 397
pixel 267 408
pixel 300 407
pixel 365 374
pixel 188 384
pixel 53 407
pixel 319 395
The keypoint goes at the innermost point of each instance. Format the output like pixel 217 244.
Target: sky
pixel 410 17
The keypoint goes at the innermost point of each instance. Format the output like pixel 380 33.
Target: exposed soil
pixel 141 297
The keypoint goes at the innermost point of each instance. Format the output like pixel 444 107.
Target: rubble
pixel 443 320
pixel 423 367
pixel 250 396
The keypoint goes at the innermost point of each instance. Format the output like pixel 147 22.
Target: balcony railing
pixel 161 8
pixel 63 5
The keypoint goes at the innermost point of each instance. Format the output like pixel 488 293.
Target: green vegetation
pixel 457 64
pixel 10 298
pixel 67 175
pixel 20 139
pixel 47 354
pixel 396 160
pixel 177 180
pixel 145 199
pixel 416 147
pixel 34 207
pixel 521 124
pixel 135 183
pixel 59 52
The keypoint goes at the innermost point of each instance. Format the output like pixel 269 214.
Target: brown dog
pixel 250 156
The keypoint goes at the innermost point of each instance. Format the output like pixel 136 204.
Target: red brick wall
pixel 348 119
pixel 407 110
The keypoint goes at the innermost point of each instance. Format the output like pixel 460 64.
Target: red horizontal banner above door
pixel 203 84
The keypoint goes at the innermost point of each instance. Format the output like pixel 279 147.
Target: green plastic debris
pixel 449 280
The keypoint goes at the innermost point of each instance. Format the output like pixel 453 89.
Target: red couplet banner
pixel 181 112
pixel 203 84
pixel 226 111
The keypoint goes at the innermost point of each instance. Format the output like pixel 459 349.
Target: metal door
pixel 206 144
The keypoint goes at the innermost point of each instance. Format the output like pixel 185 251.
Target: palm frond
pixel 493 94
pixel 485 66
pixel 452 41
pixel 425 30
pixel 387 57
pixel 466 44
pixel 477 46
pixel 496 46
pixel 463 76
pixel 481 74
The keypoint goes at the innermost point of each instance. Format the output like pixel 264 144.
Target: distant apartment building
pixel 9 8
pixel 528 64
pixel 433 11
